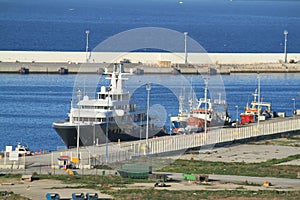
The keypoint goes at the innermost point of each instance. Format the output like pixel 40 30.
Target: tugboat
pixel 112 114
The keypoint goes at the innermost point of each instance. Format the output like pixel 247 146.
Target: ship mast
pixel 205 106
pixel 258 101
pixel 181 102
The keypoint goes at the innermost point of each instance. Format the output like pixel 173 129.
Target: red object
pixel 175 130
pixel 247 118
pixel 64 157
pixel 194 121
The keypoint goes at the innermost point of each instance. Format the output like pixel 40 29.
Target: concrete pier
pixel 224 63
pixel 168 145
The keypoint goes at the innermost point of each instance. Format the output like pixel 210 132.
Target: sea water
pixel 218 25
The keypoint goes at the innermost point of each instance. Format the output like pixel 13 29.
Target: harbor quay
pixel 158 147
pixel 150 62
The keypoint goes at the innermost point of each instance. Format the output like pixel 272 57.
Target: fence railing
pixel 163 145
pixel 118 152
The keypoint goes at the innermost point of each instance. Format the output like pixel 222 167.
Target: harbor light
pixel 185 47
pixel 78 128
pixel 285 32
pixel 148 88
pixel 87 32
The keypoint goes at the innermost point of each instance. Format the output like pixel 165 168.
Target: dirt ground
pixel 245 153
pixel 215 185
pixel 38 189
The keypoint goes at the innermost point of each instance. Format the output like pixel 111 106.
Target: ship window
pixel 102 96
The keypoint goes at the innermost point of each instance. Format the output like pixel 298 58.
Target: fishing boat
pixel 206 113
pixel 110 117
pixel 258 109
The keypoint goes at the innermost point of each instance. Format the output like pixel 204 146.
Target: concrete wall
pixel 149 58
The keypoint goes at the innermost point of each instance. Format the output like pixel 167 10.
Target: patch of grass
pixel 92 181
pixel 246 183
pixel 263 169
pixel 203 194
pixel 10 176
pixel 283 160
pixel 11 196
pixel 102 167
pixel 294 137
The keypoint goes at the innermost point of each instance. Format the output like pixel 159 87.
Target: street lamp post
pixel 170 124
pixel 294 104
pixel 258 101
pixel 94 133
pixel 140 126
pixel 87 32
pixel 185 47
pixel 107 124
pixel 285 32
pixel 148 88
pixel 237 116
pixel 78 128
pixel 205 106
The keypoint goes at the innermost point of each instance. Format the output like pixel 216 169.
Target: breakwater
pixel 53 68
pixel 74 62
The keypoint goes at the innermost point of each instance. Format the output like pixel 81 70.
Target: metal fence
pixel 119 152
pixel 163 145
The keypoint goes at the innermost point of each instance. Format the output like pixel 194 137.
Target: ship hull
pixel 95 134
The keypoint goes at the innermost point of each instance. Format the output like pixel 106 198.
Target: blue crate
pixel 52 196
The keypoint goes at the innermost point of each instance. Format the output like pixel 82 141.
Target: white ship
pixel 111 114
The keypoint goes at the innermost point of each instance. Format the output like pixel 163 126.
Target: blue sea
pixel 218 25
pixel 31 103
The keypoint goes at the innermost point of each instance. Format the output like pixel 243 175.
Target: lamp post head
pixel 148 86
pixel 285 32
pixel 87 31
pixel 185 33
pixel 78 92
